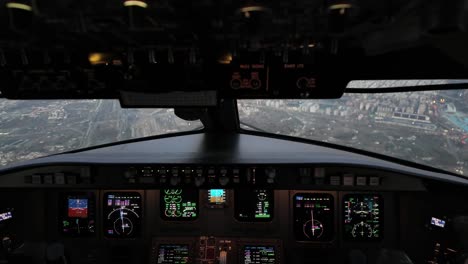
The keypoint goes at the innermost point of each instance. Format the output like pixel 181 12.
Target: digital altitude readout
pixel 254 205
pixel 179 204
pixel 363 217
pixel 313 217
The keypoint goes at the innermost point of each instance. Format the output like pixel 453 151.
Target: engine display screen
pixel 173 254
pixel 314 216
pixel 254 205
pixel 122 214
pixel 179 204
pixel 363 217
pixel 77 213
pixel 258 255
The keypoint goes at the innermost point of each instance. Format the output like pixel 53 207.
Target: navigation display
pixel 122 214
pixel 313 215
pixel 173 254
pixel 363 217
pixel 254 205
pixel 259 255
pixel 179 204
pixel 77 213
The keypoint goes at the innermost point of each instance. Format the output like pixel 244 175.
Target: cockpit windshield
pixel 425 127
pixel 32 129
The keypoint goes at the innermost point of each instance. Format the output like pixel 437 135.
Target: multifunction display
pixel 259 255
pixel 173 254
pixel 363 217
pixel 314 216
pixel 179 204
pixel 254 205
pixel 122 214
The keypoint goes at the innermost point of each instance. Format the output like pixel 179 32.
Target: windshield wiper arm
pixel 252 127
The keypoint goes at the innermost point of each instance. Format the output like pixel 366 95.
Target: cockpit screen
pixel 437 222
pixel 122 214
pixel 179 204
pixel 77 214
pixel 173 254
pixel 78 207
pixel 259 255
pixel 5 216
pixel 363 217
pixel 216 198
pixel 313 216
pixel 254 205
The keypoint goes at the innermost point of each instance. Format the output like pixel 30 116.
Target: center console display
pixel 179 204
pixel 313 215
pixel 216 198
pixel 77 214
pixel 173 254
pixel 254 205
pixel 122 214
pixel 259 255
pixel 363 217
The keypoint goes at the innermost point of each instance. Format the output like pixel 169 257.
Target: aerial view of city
pixel 429 127
pixel 31 129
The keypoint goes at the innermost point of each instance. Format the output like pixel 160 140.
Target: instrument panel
pixel 313 219
pixel 315 215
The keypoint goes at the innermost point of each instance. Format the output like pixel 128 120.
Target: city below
pixel 429 127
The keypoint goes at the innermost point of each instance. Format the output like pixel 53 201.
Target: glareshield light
pixel 21 6
pixel 135 3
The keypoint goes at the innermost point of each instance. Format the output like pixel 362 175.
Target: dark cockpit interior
pixel 228 191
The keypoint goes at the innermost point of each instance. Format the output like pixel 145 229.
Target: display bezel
pixel 104 215
pixel 333 209
pixel 255 220
pixel 207 204
pixel 157 241
pixel 275 243
pixel 381 218
pixel 330 243
pixel 178 219
pixel 62 212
